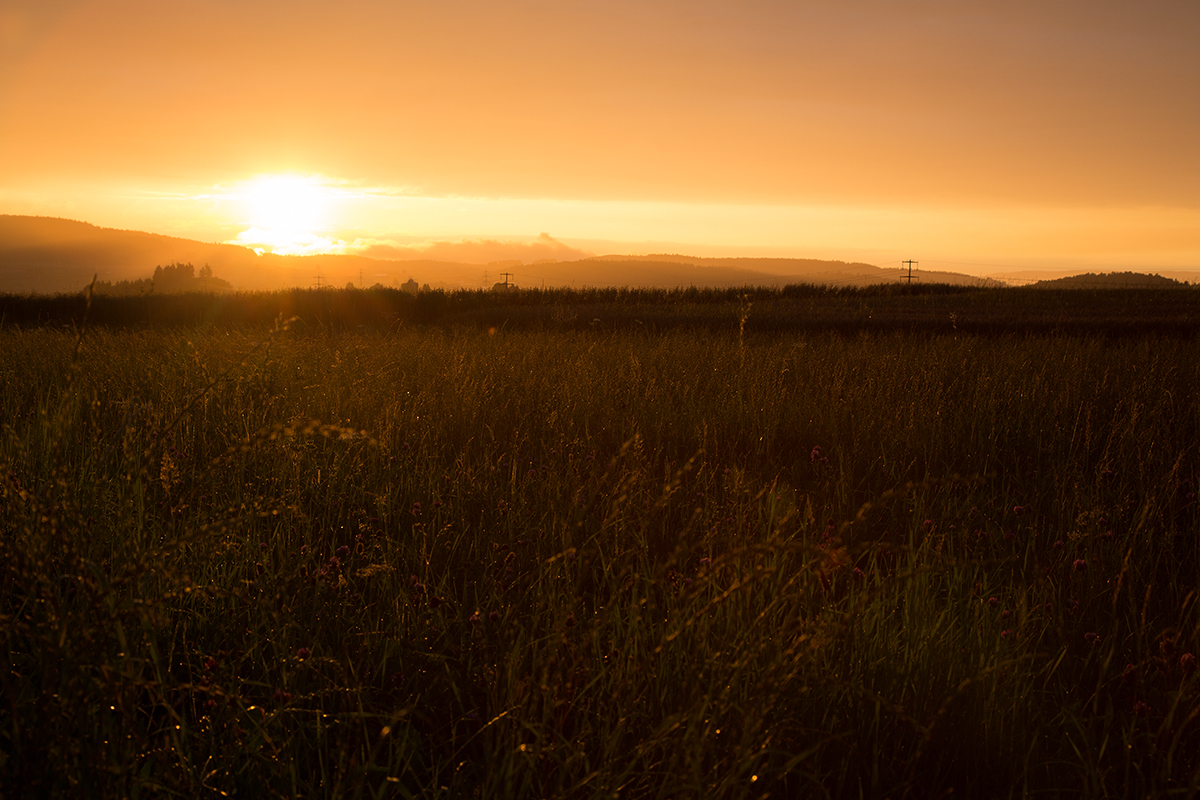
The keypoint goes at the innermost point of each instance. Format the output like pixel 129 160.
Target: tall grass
pixel 801 308
pixel 591 563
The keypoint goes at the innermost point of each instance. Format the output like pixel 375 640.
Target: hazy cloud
pixel 288 244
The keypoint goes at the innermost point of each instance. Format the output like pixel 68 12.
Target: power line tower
pixel 319 278
pixel 909 276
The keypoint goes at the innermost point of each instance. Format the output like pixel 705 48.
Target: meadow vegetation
pixel 565 559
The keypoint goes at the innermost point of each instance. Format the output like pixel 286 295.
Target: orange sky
pixel 1015 133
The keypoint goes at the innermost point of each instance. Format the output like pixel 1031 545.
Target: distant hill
pixel 782 271
pixel 683 271
pixel 48 255
pixel 1111 280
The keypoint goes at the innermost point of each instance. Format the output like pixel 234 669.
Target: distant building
pixel 409 286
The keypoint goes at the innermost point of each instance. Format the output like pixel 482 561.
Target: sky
pixel 985 135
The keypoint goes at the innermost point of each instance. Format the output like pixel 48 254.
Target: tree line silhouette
pixel 172 279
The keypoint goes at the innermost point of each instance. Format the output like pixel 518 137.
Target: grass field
pixel 551 558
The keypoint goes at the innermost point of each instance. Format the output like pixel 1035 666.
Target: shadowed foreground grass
pixel 587 563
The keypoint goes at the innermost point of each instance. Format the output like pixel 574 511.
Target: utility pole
pixel 506 276
pixel 909 276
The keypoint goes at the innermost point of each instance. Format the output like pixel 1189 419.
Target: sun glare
pixel 286 213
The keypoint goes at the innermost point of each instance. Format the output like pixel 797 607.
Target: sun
pixel 286 214
pixel 288 203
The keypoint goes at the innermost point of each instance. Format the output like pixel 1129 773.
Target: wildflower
pixel 704 562
pixel 927 525
pixel 1091 637
pixel 343 551
pixel 1129 673
pixel 493 616
pixel 262 545
pixel 815 454
pixel 474 618
pixel 1140 708
pixel 1188 662
pixel 303 549
pixel 1079 565
pixel 1004 634
pixel 282 697
pixel 973 513
pixel 993 601
pixel 1005 614
pixel 210 664
pixel 1059 544
pixel 1019 510
pixel 303 653
pixel 416 509
pixel 858 573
